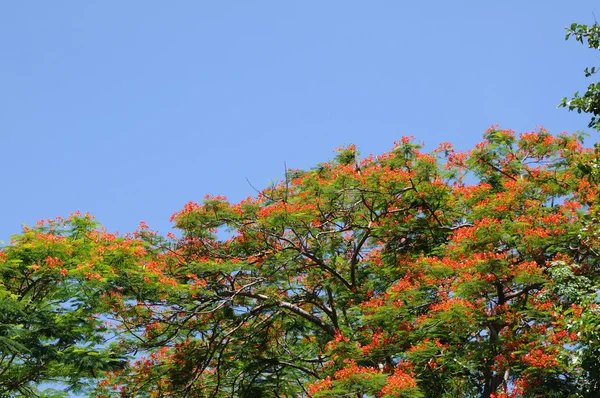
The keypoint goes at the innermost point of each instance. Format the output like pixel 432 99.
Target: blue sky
pixel 130 109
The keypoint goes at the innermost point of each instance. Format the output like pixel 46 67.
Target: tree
pixel 50 292
pixel 590 101
pixel 409 274
pixel 412 274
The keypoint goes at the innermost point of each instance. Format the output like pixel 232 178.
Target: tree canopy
pixel 589 102
pixel 408 274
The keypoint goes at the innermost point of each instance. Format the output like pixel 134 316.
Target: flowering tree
pixel 52 278
pixel 409 274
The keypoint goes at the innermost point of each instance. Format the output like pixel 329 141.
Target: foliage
pixel 50 293
pixel 409 274
pixel 590 101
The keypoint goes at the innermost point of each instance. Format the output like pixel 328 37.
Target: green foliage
pixel 48 328
pixel 589 102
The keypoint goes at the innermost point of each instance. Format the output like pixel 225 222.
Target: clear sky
pixel 130 109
